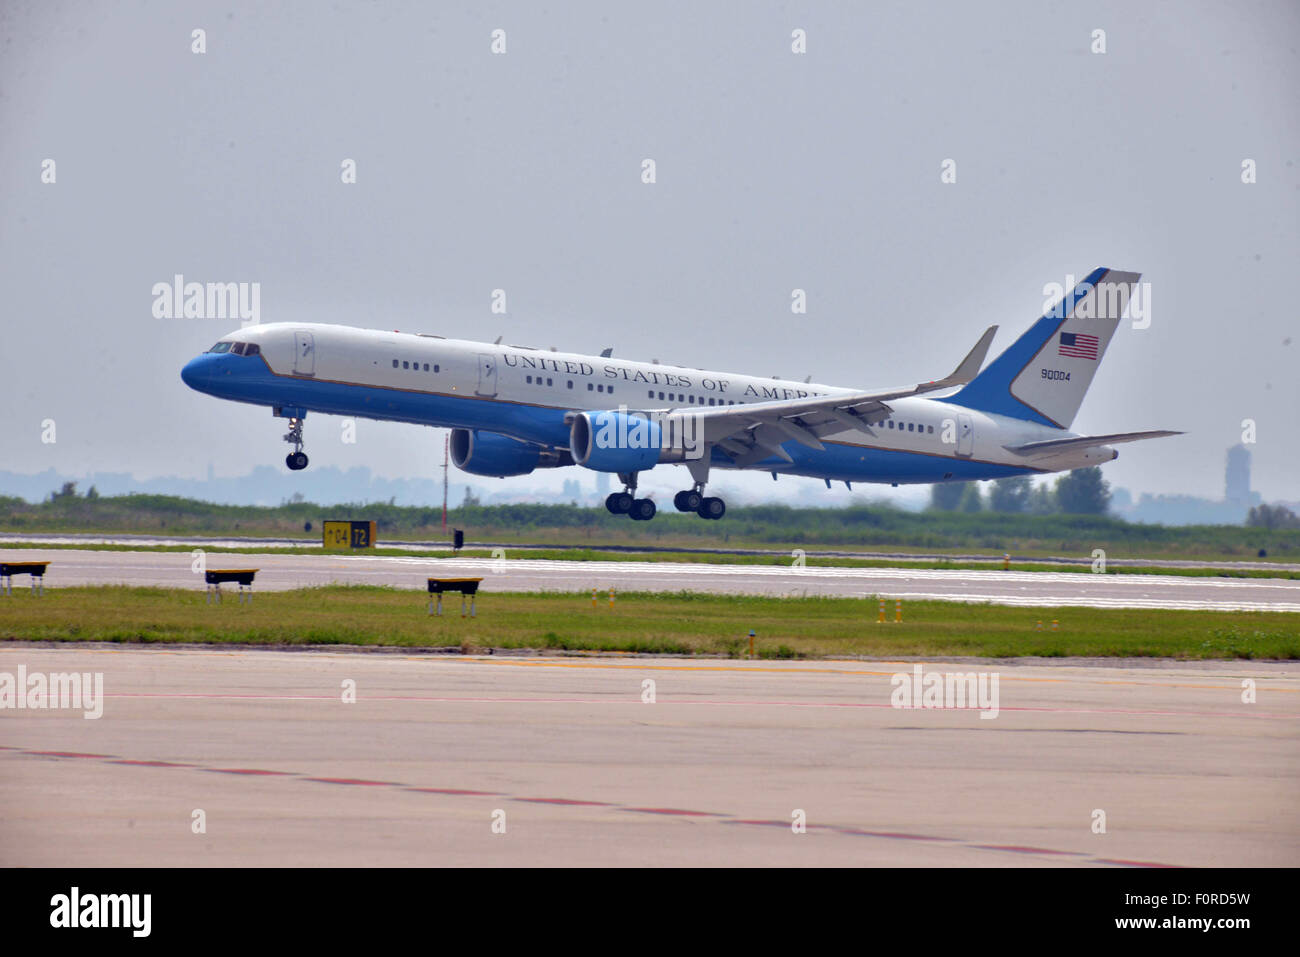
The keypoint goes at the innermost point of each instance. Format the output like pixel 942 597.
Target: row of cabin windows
pixel 690 399
pixel 539 380
pixel 416 366
pixel 237 348
pixel 913 427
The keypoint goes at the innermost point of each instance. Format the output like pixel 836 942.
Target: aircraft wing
pixel 755 431
pixel 1053 446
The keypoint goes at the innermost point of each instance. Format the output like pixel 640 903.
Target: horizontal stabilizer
pixel 1052 446
pixel 969 367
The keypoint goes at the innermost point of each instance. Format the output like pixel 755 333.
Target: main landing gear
pixel 626 502
pixel 297 459
pixel 643 509
pixel 694 500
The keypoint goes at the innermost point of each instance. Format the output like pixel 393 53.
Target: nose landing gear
pixel 297 459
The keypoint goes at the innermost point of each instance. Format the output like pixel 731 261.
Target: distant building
pixel 1189 510
pixel 1236 477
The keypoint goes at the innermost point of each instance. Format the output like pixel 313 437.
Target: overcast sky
pixel 522 171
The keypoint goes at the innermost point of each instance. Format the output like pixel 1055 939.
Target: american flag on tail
pixel 1077 345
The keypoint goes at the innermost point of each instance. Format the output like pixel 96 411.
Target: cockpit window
pixel 221 347
pixel 237 349
pixel 252 349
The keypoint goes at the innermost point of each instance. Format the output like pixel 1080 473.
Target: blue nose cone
pixel 197 372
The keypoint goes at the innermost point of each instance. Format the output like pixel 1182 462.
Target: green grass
pixel 684 623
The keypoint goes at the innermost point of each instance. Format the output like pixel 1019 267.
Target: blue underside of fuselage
pixel 247 379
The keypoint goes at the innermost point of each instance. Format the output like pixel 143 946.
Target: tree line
pixel 1080 492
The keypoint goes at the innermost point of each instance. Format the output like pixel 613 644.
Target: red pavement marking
pixel 246 771
pixel 896 835
pixel 1025 849
pixel 704 701
pixel 1123 863
pixel 674 810
pixel 566 801
pixel 758 823
pixel 70 754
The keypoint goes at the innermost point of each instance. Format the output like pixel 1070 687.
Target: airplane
pixel 514 409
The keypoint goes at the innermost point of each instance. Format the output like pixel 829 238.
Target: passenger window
pixel 930 429
pixel 570 383
pixel 405 364
pixel 435 367
pixel 590 386
pixel 609 389
pixel 909 426
pixel 394 363
pixel 550 382
pixel 426 367
pixel 661 395
pixel 530 380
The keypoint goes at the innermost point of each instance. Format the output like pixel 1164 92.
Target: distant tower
pixel 1236 478
pixel 602 483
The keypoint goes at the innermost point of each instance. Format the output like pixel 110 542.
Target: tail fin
pixel 1044 374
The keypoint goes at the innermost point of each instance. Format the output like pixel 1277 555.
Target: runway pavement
pixel 444 547
pixel 280 571
pixel 583 771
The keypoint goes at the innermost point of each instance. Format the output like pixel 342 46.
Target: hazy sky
pixel 522 171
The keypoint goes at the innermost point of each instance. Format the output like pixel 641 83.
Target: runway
pixel 581 770
pixel 443 547
pixel 281 571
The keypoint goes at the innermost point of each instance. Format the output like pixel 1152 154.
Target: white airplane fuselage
pixel 526 394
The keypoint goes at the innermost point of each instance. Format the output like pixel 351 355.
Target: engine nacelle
pixel 499 456
pixel 622 441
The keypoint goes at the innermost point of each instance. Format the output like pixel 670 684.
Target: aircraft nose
pixel 196 372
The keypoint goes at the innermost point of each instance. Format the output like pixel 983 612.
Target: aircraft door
pixel 965 435
pixel 487 374
pixel 304 353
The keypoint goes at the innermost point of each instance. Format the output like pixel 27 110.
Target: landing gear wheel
pixel 713 508
pixel 619 503
pixel 296 460
pixel 643 509
pixel 688 500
